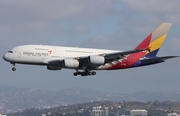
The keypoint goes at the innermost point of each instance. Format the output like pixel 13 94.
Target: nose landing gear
pixel 13 69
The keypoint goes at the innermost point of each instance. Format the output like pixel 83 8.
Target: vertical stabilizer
pixel 155 39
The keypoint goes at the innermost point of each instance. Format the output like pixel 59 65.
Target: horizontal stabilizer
pixel 160 58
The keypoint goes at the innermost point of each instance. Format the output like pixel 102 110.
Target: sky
pixel 104 24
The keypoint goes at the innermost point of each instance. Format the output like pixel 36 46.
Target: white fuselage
pixel 42 54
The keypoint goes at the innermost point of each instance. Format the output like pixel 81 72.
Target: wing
pixel 120 55
pixel 93 61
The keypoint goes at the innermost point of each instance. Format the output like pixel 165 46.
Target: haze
pixel 109 24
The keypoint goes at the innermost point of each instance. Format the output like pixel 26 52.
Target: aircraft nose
pixel 5 57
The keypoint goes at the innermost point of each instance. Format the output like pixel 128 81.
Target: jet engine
pixel 53 68
pixel 71 63
pixel 99 60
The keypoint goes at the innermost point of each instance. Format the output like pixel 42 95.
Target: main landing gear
pixel 85 73
pixel 13 69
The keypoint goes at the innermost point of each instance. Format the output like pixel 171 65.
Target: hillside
pixel 17 99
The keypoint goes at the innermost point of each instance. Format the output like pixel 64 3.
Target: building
pixel 2 115
pixel 157 112
pixel 99 111
pixel 172 114
pixel 133 113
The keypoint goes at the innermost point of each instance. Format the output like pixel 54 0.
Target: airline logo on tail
pixel 157 39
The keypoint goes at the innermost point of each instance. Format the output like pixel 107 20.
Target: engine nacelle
pixel 53 68
pixel 71 63
pixel 99 60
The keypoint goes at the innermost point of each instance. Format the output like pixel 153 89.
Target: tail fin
pixel 155 39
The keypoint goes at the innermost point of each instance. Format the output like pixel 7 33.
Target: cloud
pixel 59 20
pixel 33 21
pixel 175 44
pixel 78 10
pixel 152 6
pixel 82 29
pixel 109 24
pixel 153 10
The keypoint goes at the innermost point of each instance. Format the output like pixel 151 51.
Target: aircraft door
pixel 19 54
pixel 14 56
pixel 54 51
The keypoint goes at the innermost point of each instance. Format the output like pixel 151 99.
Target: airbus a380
pixel 85 60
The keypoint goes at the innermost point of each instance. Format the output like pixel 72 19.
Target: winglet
pixel 155 39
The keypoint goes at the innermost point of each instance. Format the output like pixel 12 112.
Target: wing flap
pixel 119 55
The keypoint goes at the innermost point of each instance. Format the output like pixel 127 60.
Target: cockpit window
pixel 10 51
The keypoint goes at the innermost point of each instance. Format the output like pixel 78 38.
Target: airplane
pixel 85 60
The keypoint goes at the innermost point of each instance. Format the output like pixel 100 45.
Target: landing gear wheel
pixel 89 73
pixel 93 73
pixel 85 73
pixel 75 74
pixel 13 69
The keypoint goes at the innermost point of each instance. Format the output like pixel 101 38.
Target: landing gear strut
pixel 13 69
pixel 85 73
